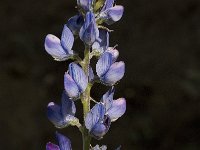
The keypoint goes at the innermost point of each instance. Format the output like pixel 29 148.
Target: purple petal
pixel 89 35
pixel 71 87
pixel 108 4
pixel 117 110
pixel 109 93
pixel 99 131
pixel 68 107
pixel 67 39
pixel 95 115
pixel 75 23
pixel 104 36
pixel 54 48
pixel 54 115
pixel 64 142
pixel 115 14
pixel 88 19
pixel 103 64
pixel 78 75
pixel 114 52
pixel 51 146
pixel 107 98
pixel 103 44
pixel 115 73
pixel 101 128
pixel 89 31
pixel 85 4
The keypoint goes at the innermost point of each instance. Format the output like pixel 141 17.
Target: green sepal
pixel 99 4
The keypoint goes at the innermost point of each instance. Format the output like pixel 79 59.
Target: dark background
pixel 159 40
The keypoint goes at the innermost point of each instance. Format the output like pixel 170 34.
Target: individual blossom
pixel 86 5
pixel 64 143
pixel 62 115
pixel 114 108
pixel 75 23
pixel 60 50
pixel 99 119
pixel 89 31
pixel 111 13
pixel 75 81
pixel 97 122
pixel 108 70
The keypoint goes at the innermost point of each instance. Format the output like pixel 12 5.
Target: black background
pixel 159 40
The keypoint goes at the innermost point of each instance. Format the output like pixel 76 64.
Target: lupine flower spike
pixel 79 78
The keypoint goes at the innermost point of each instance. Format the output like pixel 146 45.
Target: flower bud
pixel 75 23
pixel 89 31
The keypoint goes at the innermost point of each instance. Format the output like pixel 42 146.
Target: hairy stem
pixel 86 98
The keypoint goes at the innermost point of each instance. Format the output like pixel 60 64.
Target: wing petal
pixel 78 75
pixel 64 142
pixel 103 64
pixel 71 87
pixel 115 73
pixel 117 110
pixel 54 48
pixel 67 39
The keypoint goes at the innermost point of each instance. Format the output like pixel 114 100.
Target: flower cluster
pixel 89 26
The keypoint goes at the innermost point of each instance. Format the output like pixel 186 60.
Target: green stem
pixel 85 98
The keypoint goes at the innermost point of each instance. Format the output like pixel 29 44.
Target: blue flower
pixel 99 119
pixel 97 122
pixel 89 31
pixel 85 4
pixel 108 70
pixel 75 23
pixel 114 108
pixel 62 115
pixel 64 143
pixel 103 44
pixel 60 50
pixel 75 82
pixel 111 13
